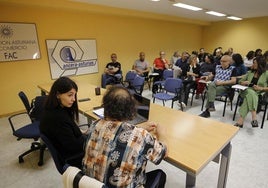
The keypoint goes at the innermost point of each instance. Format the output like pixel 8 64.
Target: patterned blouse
pixel 117 154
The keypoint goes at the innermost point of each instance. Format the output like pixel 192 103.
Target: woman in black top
pixel 59 121
pixel 189 81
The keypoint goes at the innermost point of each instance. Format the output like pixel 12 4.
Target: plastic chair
pixel 262 107
pixel 130 76
pixel 171 91
pixel 223 97
pixel 160 84
pixel 29 131
pixel 58 160
pixel 137 85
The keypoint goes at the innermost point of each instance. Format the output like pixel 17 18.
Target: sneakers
pixel 254 123
pixel 211 107
pixel 181 105
pixel 205 114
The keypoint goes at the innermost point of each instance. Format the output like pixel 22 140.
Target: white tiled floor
pixel 248 166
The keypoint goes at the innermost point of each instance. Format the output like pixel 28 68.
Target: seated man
pixel 117 152
pixel 160 64
pixel 113 71
pixel 180 68
pixel 141 66
pixel 225 76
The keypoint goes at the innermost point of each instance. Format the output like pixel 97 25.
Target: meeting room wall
pixel 124 35
pixel 242 36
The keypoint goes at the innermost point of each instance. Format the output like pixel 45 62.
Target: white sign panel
pixel 72 57
pixel 18 41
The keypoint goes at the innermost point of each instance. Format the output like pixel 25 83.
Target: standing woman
pixel 256 79
pixel 59 122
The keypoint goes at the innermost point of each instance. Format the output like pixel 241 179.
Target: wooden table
pixel 192 141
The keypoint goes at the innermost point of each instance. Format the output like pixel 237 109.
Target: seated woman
pixel 193 72
pixel 238 62
pixel 117 152
pixel 206 68
pixel 59 121
pixel 257 80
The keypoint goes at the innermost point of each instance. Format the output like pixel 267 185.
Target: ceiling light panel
pixel 215 13
pixel 189 7
pixel 234 18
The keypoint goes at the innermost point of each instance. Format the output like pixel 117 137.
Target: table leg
pixel 224 166
pixel 190 181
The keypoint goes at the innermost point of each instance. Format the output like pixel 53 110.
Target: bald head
pixel 118 104
pixel 226 61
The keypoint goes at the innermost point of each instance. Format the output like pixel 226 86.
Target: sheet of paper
pixel 238 86
pixel 99 112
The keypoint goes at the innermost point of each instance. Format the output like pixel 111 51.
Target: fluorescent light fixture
pixel 234 18
pixel 215 13
pixel 181 5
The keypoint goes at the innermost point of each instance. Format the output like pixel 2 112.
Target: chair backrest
pixel 167 74
pixel 25 101
pixel 138 84
pixel 59 162
pixel 130 76
pixel 173 85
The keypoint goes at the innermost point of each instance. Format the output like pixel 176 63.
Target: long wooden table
pixel 192 141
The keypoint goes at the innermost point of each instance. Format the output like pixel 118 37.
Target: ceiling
pixel 238 8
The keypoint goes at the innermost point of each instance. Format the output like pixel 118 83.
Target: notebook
pixel 142 107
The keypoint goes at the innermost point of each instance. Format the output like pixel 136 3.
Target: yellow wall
pixel 115 30
pixel 126 36
pixel 243 36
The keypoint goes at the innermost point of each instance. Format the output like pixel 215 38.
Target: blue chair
pixel 158 85
pixel 130 76
pixel 29 131
pixel 58 160
pixel 171 91
pixel 137 85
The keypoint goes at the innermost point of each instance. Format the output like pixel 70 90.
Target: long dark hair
pixel 238 60
pixel 261 64
pixel 118 104
pixel 60 86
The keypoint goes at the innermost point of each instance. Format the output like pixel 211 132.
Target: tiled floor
pixel 248 165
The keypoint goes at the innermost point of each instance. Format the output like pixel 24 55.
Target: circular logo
pixel 6 31
pixel 68 54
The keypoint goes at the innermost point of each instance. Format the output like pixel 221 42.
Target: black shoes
pixel 254 123
pixel 205 114
pixel 211 107
pixel 238 125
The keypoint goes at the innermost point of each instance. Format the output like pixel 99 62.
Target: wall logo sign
pixel 18 41
pixel 72 57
